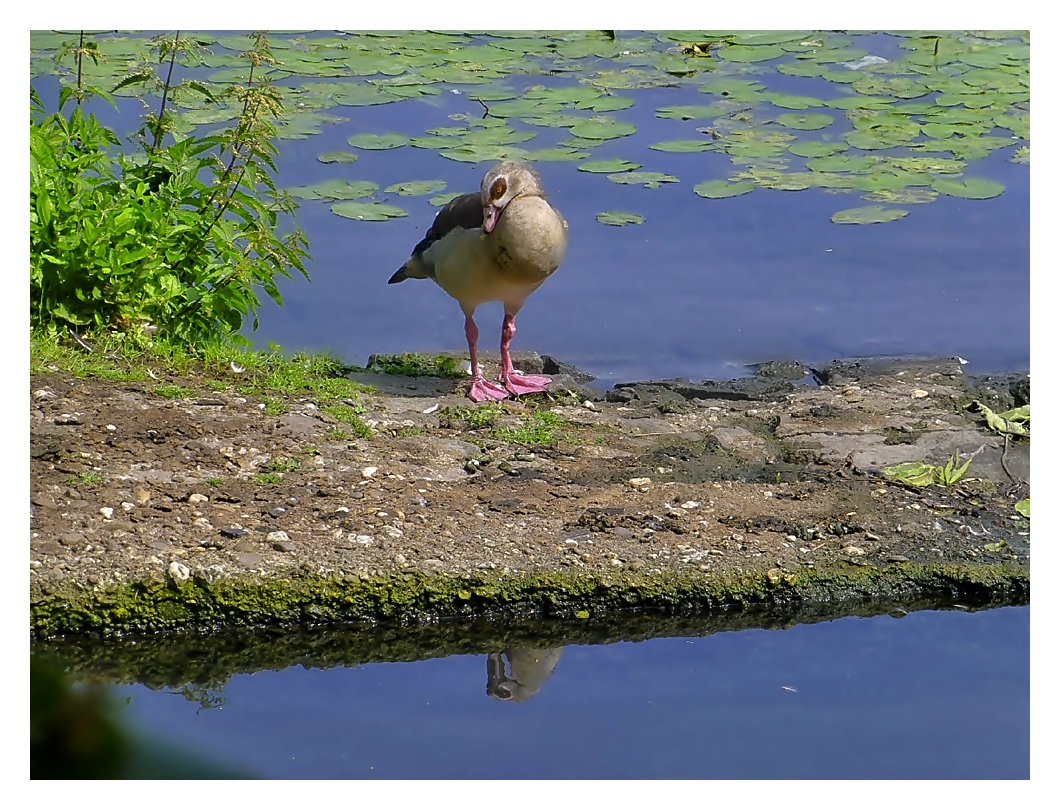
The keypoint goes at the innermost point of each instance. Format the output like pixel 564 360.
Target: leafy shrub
pixel 178 236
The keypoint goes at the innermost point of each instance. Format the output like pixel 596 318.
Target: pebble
pixel 197 497
pixel 178 572
pixel 918 393
pixel 233 531
pixel 639 483
pixel 854 551
pixel 278 537
pixel 368 472
pixel 400 559
pixel 690 505
pixel 107 512
pixel 392 532
pixel 128 506
pixel 141 496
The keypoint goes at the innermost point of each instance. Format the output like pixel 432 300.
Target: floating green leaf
pixel 416 188
pixel 366 140
pixel 791 102
pixel 748 53
pixel 606 104
pixel 368 212
pixel 691 112
pixel 1024 507
pixel 808 121
pixel 684 146
pixel 973 188
pixel 441 199
pixel 903 196
pixel 337 157
pixel 647 179
pixel 868 215
pixel 814 149
pixel 842 163
pixel 608 166
pixel 602 130
pixel 619 218
pixel 335 189
pixel 556 153
pixel 719 189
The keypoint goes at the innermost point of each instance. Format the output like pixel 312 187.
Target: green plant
pixel 920 474
pixel 282 464
pixel 416 365
pixel 348 415
pixel 180 236
pixel 213 481
pixel 266 478
pixel 172 391
pixel 539 428
pixel 406 432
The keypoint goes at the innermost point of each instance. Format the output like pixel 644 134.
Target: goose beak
pixel 490 214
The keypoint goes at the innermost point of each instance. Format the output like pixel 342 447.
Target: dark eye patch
pixel 500 185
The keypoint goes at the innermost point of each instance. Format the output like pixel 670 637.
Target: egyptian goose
pixel 498 245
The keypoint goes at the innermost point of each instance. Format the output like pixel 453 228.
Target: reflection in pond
pixel 528 669
pixel 913 689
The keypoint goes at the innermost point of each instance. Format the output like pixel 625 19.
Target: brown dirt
pixel 131 489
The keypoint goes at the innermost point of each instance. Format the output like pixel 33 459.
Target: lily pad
pixel 335 189
pixel 619 218
pixel 684 146
pixel 555 153
pixel 647 179
pixel 720 189
pixel 368 212
pixel 441 199
pixel 691 112
pixel 608 166
pixel 973 188
pixel 366 140
pixel 815 149
pixel 606 104
pixel 416 188
pixel 868 215
pixel 601 130
pixel 751 53
pixel 337 157
pixel 808 121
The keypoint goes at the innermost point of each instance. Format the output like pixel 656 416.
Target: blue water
pixel 933 695
pixel 701 289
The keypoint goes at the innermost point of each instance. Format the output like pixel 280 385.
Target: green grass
pixel 268 375
pixel 172 391
pixel 87 477
pixel 405 432
pixel 283 464
pixel 349 415
pixel 213 481
pixel 266 478
pixel 417 365
pixel 537 429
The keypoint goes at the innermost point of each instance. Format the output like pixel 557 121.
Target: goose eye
pixel 500 185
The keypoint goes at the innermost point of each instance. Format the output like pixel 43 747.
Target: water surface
pixel 931 695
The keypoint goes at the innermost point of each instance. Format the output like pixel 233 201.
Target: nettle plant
pixel 178 236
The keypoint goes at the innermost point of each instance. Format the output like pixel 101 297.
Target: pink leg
pixel 516 383
pixel 480 389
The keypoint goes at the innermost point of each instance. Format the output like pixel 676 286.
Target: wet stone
pixel 233 531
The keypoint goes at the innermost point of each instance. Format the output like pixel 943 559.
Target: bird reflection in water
pixel 527 670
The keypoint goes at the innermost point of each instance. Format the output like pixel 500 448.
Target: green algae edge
pixel 404 597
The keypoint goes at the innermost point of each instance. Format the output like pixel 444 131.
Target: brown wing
pixel 464 211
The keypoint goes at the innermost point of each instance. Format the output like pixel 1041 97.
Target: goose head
pixel 502 184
